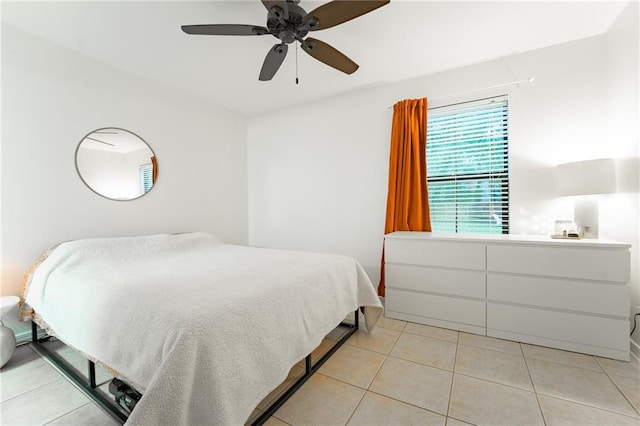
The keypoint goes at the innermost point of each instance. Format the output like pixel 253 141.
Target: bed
pixel 204 330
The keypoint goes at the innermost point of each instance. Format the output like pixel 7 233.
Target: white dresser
pixel 566 294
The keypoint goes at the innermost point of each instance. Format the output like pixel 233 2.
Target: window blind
pixel 468 167
pixel 146 176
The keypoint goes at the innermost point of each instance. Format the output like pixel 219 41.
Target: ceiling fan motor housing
pixel 290 29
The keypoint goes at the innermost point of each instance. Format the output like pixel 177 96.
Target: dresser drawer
pixel 452 309
pixel 442 254
pixel 585 296
pixel 457 282
pixel 564 262
pixel 559 326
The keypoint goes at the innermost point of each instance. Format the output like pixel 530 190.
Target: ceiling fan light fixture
pixel 287 36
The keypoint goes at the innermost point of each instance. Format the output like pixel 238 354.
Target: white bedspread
pixel 204 330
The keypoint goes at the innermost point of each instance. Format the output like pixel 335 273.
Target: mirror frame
pixel 153 156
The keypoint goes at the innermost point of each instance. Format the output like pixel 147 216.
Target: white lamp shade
pixel 587 177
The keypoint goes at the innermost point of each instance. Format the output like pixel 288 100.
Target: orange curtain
pixel 154 169
pixel 407 197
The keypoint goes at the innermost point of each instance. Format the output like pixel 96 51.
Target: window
pixel 146 177
pixel 468 168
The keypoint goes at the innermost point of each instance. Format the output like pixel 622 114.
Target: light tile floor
pixel 400 374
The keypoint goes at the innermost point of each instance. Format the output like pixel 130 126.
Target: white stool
pixel 7 338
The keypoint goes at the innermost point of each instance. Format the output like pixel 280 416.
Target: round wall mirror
pixel 116 164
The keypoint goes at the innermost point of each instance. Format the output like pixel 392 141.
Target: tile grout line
pixel 377 372
pixel 69 412
pixel 31 390
pixel 40 358
pixel 386 356
pixel 406 403
pixel 496 383
pixel 533 385
pixel 421 363
pixel 636 409
pixel 372 350
pixel 453 374
pixel 608 410
pixel 279 419
pixel 566 364
pixel 491 349
pixel 585 404
pixel 431 337
pixel 356 407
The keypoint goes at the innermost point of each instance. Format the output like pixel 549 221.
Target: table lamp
pixel 585 179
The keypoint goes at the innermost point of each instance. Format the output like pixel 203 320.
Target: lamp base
pixel 589 231
pixel 586 216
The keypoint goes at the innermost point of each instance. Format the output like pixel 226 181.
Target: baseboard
pixel 23 337
pixel 635 349
pixel 26 337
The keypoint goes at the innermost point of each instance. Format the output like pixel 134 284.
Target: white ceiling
pixel 404 39
pixel 114 140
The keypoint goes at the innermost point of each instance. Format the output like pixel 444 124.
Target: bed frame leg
pixel 307 365
pixel 34 332
pixel 92 374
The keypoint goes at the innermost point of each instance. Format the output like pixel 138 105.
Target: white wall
pixel 111 174
pixel 318 173
pixel 51 98
pixel 621 212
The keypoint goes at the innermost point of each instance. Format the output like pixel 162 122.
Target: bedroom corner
pixel 51 98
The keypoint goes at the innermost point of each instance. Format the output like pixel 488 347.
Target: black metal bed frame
pixel 88 386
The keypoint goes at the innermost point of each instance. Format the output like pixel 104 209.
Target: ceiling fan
pixel 288 22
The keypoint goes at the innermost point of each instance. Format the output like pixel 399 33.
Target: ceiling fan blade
pixel 272 61
pixel 282 4
pixel 329 55
pixel 225 29
pixel 338 11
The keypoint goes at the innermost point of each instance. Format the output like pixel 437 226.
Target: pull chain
pixel 296 63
